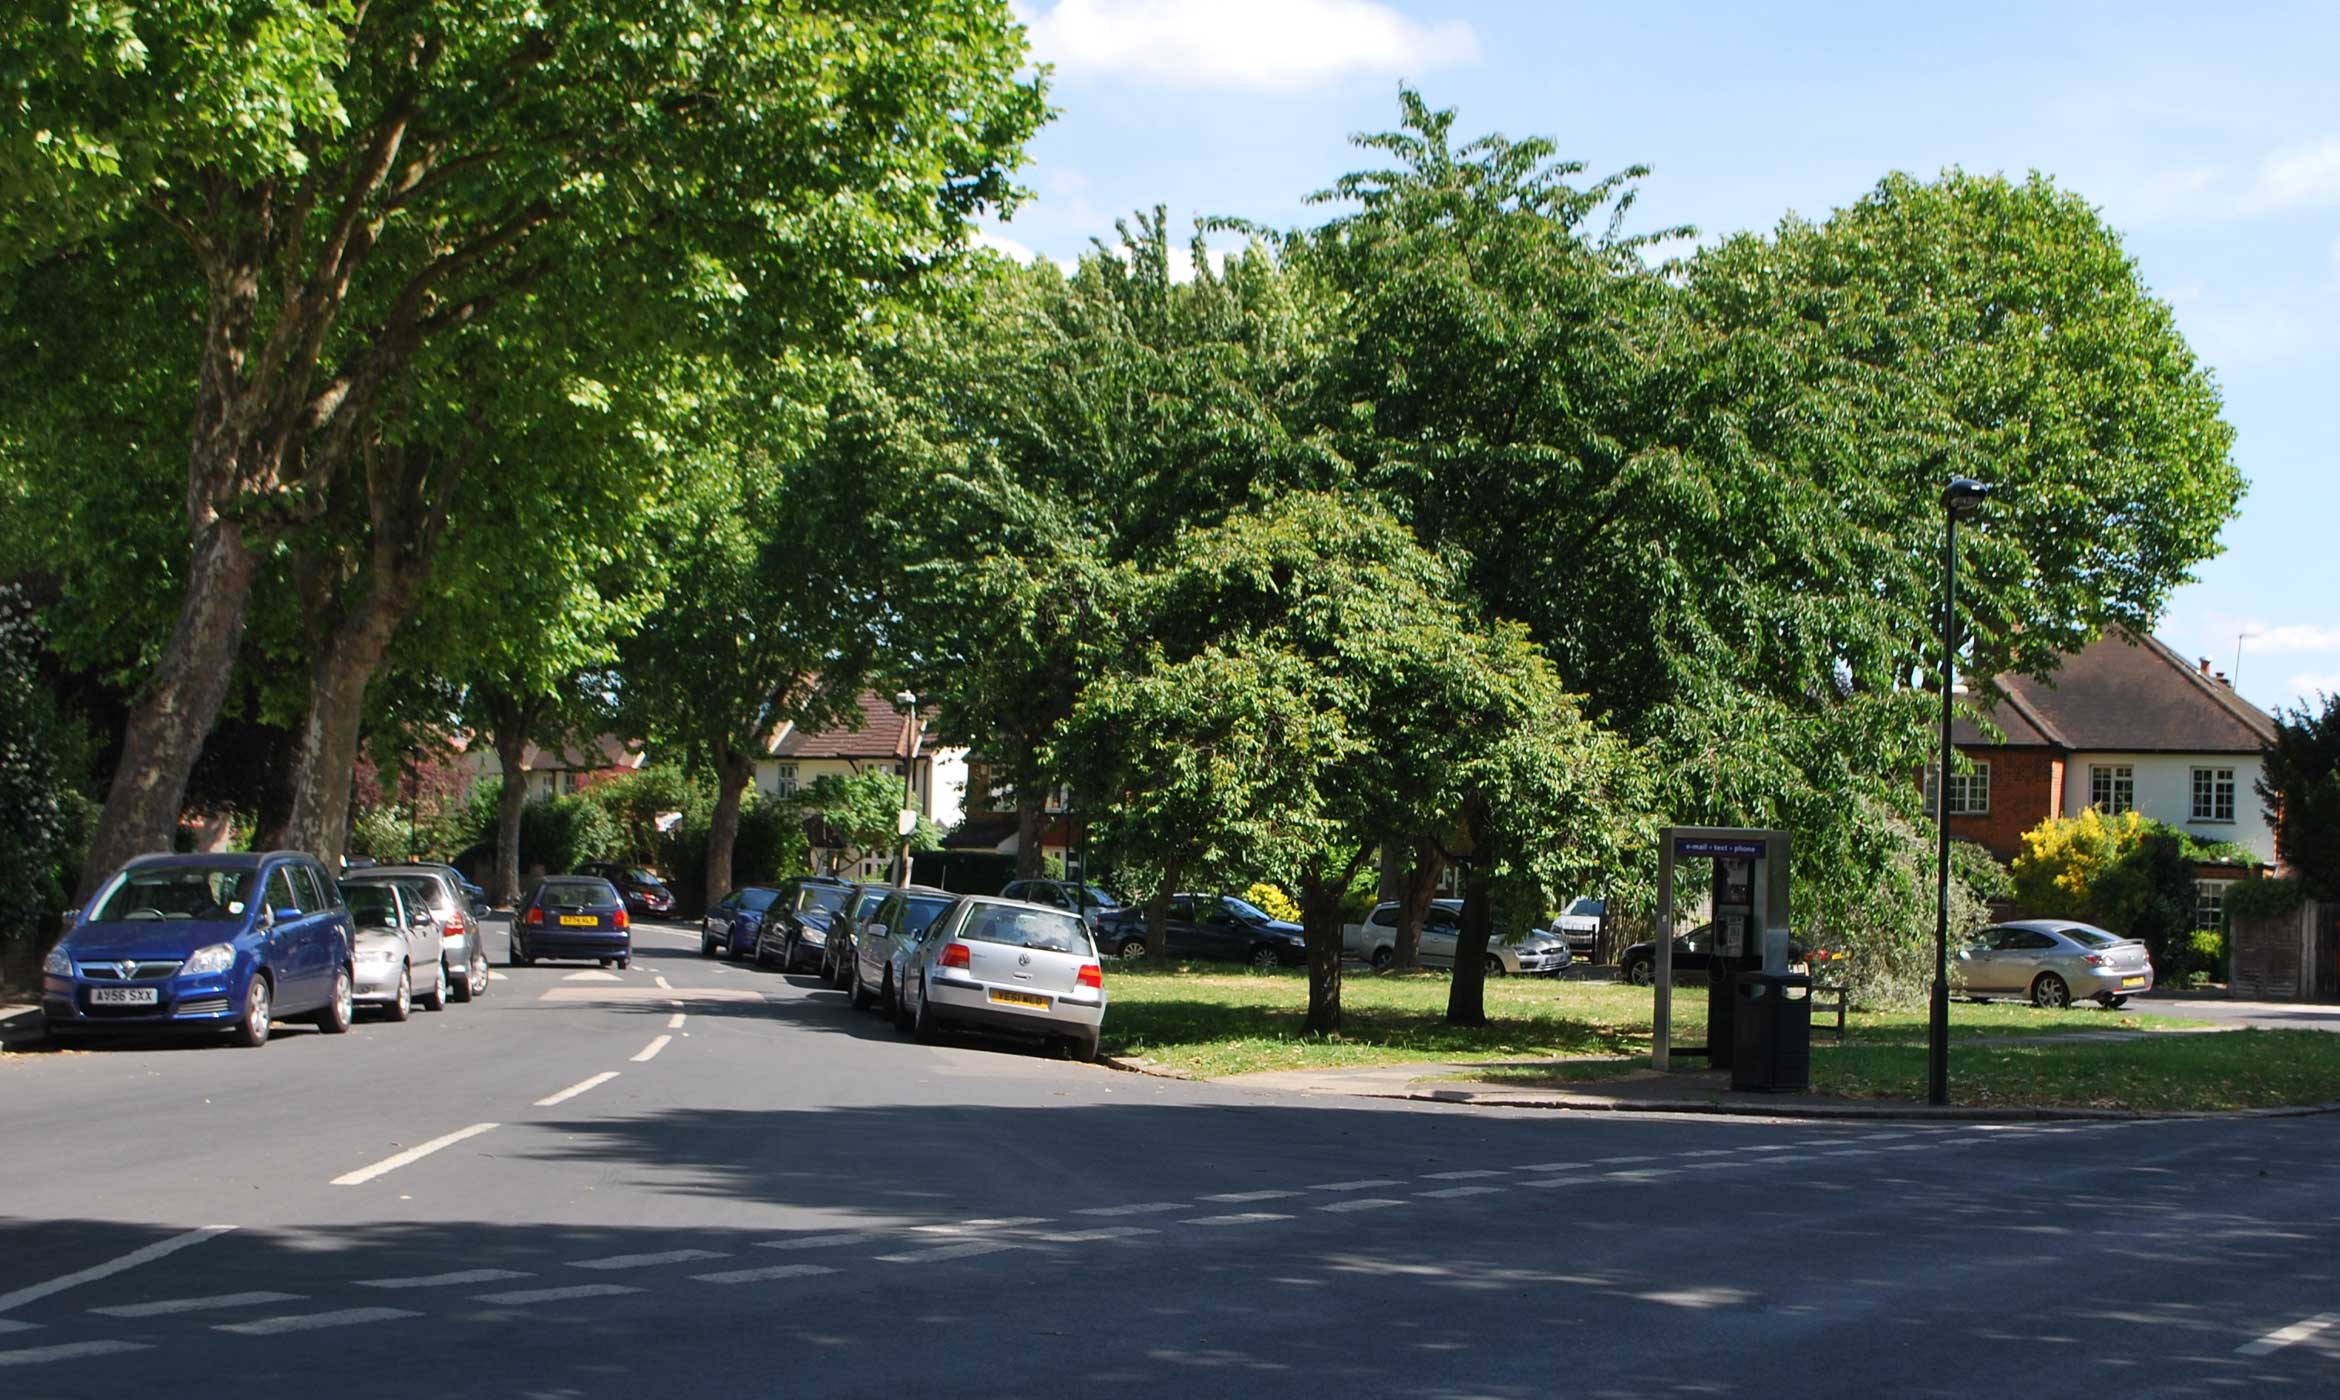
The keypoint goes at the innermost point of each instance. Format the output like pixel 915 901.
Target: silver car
pixel 397 939
pixel 2054 962
pixel 882 944
pixel 1008 967
pixel 462 944
pixel 1539 954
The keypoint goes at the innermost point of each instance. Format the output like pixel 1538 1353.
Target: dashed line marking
pixel 1360 1203
pixel 675 1022
pixel 1116 1232
pixel 1553 1167
pixel 8 1325
pixel 410 1156
pixel 1453 1191
pixel 1709 1152
pixel 313 1322
pixel 1239 1197
pixel 68 1351
pixel 2282 1337
pixel 648 1261
pixel 1142 1208
pixel 961 1227
pixel 1605 1161
pixel 146 1255
pixel 662 985
pixel 1358 1185
pixel 453 1280
pixel 1458 1176
pixel 949 1251
pixel 577 1088
pixel 168 1306
pixel 821 1241
pixel 775 1271
pixel 556 1295
pixel 1249 1217
pixel 650 1051
pixel 1544 1181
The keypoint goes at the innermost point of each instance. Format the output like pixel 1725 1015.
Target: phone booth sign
pixel 1750 929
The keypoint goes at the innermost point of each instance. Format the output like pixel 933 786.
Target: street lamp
pixel 1960 497
pixel 908 701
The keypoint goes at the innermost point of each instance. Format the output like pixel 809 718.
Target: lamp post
pixel 413 801
pixel 908 700
pixel 1959 498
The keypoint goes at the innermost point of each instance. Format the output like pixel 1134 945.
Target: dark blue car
pixel 221 942
pixel 572 916
pixel 732 927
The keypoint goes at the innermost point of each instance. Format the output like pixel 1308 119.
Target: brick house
pixel 2126 723
pixel 876 736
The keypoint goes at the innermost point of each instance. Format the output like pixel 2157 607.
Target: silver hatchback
pixel 1011 968
pixel 2055 962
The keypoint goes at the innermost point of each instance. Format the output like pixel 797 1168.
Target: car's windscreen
pixel 643 877
pixel 419 892
pixel 920 915
pixel 1043 930
pixel 576 894
pixel 870 899
pixel 1244 909
pixel 757 901
pixel 2090 938
pixel 1587 908
pixel 179 892
pixel 1098 899
pixel 370 903
pixel 828 899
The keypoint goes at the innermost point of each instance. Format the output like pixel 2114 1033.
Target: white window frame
pixel 2214 779
pixel 2210 905
pixel 1970 793
pixel 784 780
pixel 2119 781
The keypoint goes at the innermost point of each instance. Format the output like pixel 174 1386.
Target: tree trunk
pixel 1031 830
pixel 1320 924
pixel 323 767
pixel 1466 995
pixel 1419 889
pixel 734 773
pixel 1158 915
pixel 511 746
pixel 176 709
pixel 1390 885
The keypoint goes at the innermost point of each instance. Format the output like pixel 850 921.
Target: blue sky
pixel 2209 135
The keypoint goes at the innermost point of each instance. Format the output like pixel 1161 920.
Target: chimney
pixel 2204 663
pixel 2220 677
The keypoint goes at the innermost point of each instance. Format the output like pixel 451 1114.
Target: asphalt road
pixel 697 1179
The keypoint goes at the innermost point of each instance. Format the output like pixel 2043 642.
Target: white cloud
pixel 2291 636
pixel 1265 45
pixel 1001 243
pixel 2305 176
pixel 2307 687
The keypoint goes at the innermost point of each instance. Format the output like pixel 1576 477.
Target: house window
pixel 784 780
pixel 2210 904
pixel 2112 787
pixel 1970 793
pixel 2214 794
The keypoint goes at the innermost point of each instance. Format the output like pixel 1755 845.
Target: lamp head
pixel 1963 494
pixel 905 699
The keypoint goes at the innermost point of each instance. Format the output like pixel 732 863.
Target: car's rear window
pixel 2090 938
pixel 921 914
pixel 418 889
pixel 826 898
pixel 757 901
pixel 576 894
pixel 1043 930
pixel 370 903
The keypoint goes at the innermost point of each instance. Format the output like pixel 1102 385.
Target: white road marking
pixel 1881 1137
pixel 1249 1217
pixel 1850 1152
pixel 1913 1147
pixel 1552 1167
pixel 1607 1160
pixel 577 1088
pixel 312 1322
pixel 1004 1222
pixel 411 1155
pixel 1645 1174
pixel 1781 1147
pixel 9 1302
pixel 1357 1185
pixel 2282 1337
pixel 1543 1181
pixel 1362 1203
pixel 185 1305
pixel 948 1251
pixel 1716 1166
pixel 8 1325
pixel 650 1052
pixel 1238 1197
pixel 591 975
pixel 674 1022
pixel 1709 1152
pixel 1143 1208
pixel 1117 1232
pixel 760 1275
pixel 1452 1191
pixel 820 1241
pixel 647 1261
pixel 1458 1176
pixel 556 1295
pixel 67 1351
pixel 662 985
pixel 453 1280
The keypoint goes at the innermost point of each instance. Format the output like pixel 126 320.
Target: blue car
pixel 223 943
pixel 572 916
pixel 733 926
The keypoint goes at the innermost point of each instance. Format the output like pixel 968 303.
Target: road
pixel 695 1178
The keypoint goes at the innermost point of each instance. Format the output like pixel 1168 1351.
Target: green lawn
pixel 1213 1021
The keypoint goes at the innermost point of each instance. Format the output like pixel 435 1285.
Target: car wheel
pixel 1131 948
pixel 900 1005
pixel 1382 958
pixel 924 1027
pixel 625 962
pixel 520 956
pixel 2050 992
pixel 1641 972
pixel 1082 1048
pixel 706 944
pixel 856 994
pixel 252 1029
pixel 437 998
pixel 402 1005
pixel 339 1012
pixel 1495 967
pixel 1263 957
pixel 2112 1002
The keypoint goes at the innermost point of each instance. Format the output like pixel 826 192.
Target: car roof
pixel 1011 903
pixel 162 860
pixel 396 872
pixel 2054 926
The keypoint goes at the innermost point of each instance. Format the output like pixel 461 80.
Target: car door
pixel 1694 951
pixel 422 936
pixel 300 951
pixel 1440 928
pixel 1219 935
pixel 328 923
pixel 1980 964
pixel 718 923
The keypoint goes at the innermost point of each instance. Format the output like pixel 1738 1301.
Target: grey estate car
pixel 2054 962
pixel 1010 968
pixel 462 943
pixel 396 949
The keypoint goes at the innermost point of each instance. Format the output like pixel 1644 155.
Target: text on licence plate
pixel 580 921
pixel 2132 981
pixel 122 996
pixel 1019 999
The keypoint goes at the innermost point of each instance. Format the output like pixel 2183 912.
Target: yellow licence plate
pixel 1020 999
pixel 580 921
pixel 2132 981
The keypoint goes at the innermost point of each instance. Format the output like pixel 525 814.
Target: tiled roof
pixel 2125 693
pixel 605 751
pixel 874 728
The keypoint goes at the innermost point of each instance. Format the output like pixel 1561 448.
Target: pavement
pixel 696 1178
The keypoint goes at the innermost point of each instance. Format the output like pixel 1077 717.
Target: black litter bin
pixel 1771 1025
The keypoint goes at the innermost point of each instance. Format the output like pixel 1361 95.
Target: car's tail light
pixel 621 918
pixel 1092 975
pixel 2097 960
pixel 956 955
pixel 535 916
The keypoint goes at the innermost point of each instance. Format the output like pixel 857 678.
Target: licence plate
pixel 122 996
pixel 579 921
pixel 2132 981
pixel 1019 999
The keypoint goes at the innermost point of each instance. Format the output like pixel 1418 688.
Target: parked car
pixel 883 943
pixel 731 928
pixel 643 892
pixel 572 916
pixel 397 937
pixel 797 926
pixel 845 930
pixel 2055 961
pixel 463 941
pixel 204 942
pixel 1213 927
pixel 1693 956
pixel 1580 923
pixel 1539 954
pixel 1089 901
pixel 1007 967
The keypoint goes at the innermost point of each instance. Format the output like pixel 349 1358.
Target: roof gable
pixel 872 729
pixel 2125 693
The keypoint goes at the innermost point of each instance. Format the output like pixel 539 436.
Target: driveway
pixel 2223 1011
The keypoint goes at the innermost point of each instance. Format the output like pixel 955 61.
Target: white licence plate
pixel 121 996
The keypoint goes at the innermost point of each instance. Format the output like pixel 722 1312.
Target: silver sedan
pixel 2055 962
pixel 1010 968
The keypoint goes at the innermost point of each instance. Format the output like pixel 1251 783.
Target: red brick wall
pixel 2027 787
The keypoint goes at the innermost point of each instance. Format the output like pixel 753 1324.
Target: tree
pixel 863 813
pixel 2300 783
pixel 353 183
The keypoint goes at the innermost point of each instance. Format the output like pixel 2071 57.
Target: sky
pixel 2209 136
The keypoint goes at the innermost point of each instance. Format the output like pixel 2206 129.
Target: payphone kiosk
pixel 1749 931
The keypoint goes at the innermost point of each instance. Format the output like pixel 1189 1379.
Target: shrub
pixel 635 801
pixel 562 833
pixel 43 822
pixel 1273 900
pixel 2262 897
pixel 2148 894
pixel 380 832
pixel 2064 857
